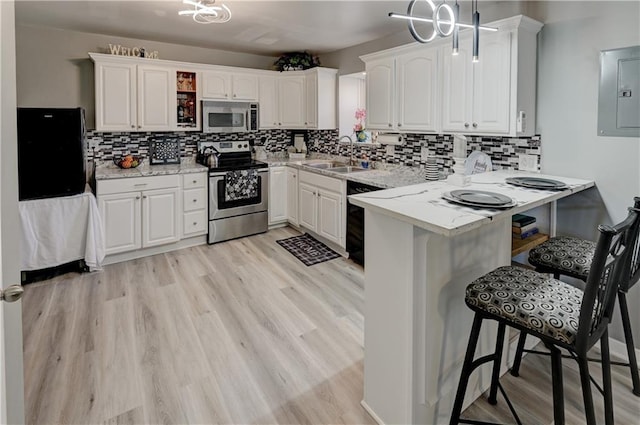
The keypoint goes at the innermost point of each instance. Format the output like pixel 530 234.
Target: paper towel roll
pixel 390 139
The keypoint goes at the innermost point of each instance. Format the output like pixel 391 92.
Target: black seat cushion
pixel 530 299
pixel 565 255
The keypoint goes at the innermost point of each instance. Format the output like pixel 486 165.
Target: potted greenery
pixel 295 61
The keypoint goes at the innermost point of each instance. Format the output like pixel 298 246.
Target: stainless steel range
pixel 238 190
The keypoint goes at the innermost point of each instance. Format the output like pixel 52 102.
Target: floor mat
pixel 308 250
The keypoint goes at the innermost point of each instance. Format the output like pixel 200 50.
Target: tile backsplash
pixel 503 151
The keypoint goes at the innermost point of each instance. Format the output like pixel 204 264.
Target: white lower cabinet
pixel 322 206
pixel 194 204
pixel 292 195
pixel 277 195
pixel 139 212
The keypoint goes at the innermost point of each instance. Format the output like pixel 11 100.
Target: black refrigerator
pixel 51 152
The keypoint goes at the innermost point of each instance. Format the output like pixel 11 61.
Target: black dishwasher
pixel 355 222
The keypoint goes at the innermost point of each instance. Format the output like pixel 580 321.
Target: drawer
pixel 136 184
pixel 194 180
pixel 195 223
pixel 194 199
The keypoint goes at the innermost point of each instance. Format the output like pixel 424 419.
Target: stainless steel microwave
pixel 229 117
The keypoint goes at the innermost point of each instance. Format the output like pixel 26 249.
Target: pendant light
pixel 476 32
pixel 456 13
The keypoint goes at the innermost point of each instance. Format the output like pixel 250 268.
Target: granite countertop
pixel 422 204
pixel 108 170
pixel 384 175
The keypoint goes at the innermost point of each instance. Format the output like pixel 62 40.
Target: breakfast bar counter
pixel 421 252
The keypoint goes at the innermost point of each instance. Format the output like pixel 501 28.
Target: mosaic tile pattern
pixel 104 146
pixel 503 151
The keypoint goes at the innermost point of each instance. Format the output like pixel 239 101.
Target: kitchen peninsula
pixel 421 253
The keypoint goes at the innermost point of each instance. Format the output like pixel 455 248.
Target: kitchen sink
pixel 347 169
pixel 326 165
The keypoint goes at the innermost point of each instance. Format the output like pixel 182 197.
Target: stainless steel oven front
pixel 237 218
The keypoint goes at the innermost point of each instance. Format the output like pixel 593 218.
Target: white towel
pixel 57 231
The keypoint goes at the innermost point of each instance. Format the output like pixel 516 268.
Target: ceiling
pixel 258 27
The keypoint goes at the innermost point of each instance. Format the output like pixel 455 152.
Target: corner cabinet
pixel 139 212
pixel 322 206
pixel 408 86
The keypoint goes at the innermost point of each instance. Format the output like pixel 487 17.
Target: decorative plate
pixel 164 151
pixel 536 183
pixel 477 162
pixel 479 199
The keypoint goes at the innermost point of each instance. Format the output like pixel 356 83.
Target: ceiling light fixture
pixel 445 23
pixel 206 12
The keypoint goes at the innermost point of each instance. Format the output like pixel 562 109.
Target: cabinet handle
pixel 140 184
pixel 133 126
pixel 226 95
pixel 475 125
pixel 390 125
pixel 306 123
pixel 399 125
pixel 194 182
pixel 144 197
pixel 195 200
pixel 279 123
pixel 137 197
pixel 466 125
pixel 195 223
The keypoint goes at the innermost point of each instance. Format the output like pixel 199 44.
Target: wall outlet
pixel 390 150
pixel 528 162
pixel 424 153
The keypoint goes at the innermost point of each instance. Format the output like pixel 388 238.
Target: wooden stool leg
pixel 606 379
pixel 515 369
pixel 466 370
pixel 628 337
pixel 496 365
pixel 557 383
pixel 583 363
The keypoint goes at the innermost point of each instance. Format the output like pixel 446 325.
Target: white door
pixel 492 84
pixel 245 87
pixel 268 101
pixel 311 100
pixel 160 222
pixel 291 101
pixel 116 91
pixel 216 85
pixel 11 365
pixel 380 94
pixel 307 206
pixel 277 194
pixel 292 195
pixel 156 98
pixel 329 215
pixel 120 214
pixel 457 87
pixel 417 90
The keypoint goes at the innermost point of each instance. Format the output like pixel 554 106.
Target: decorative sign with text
pixel 140 52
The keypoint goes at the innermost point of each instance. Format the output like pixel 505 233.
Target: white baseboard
pixel 371 412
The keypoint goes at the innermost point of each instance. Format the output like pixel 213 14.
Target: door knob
pixel 12 294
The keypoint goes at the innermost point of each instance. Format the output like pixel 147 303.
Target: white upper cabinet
pixel 116 94
pixel 477 96
pixel 380 94
pixel 133 97
pixel 417 90
pixel 424 88
pixel 291 99
pixel 268 100
pixel 155 95
pixel 229 86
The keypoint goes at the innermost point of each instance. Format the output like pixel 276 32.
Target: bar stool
pixel 561 315
pixel 568 256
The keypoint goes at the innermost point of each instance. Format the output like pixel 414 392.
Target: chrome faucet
pixel 350 148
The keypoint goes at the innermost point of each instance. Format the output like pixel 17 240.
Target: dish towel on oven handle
pixel 241 184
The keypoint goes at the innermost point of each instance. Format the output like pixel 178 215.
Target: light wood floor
pixel 238 332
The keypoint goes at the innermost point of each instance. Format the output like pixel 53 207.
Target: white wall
pixel 568 78
pixel 54 69
pixel 351 96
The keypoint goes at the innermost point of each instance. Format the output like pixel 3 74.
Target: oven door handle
pixel 224 173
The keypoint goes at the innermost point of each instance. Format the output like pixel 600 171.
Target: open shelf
pixel 518 246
